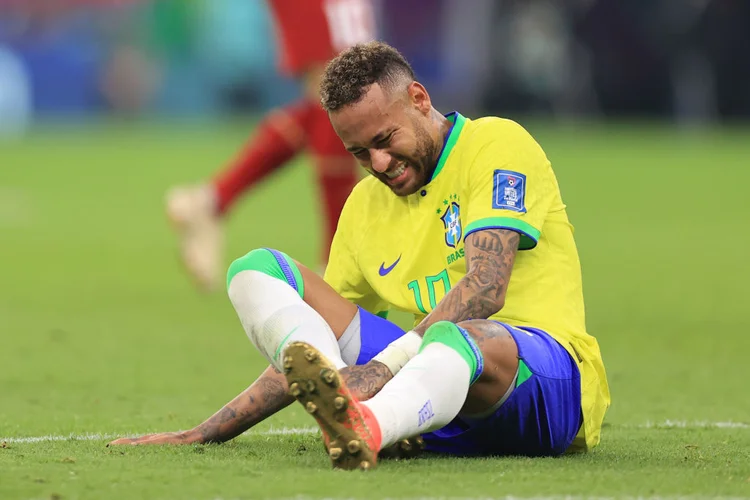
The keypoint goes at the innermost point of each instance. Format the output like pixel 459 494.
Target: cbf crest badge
pixel 452 221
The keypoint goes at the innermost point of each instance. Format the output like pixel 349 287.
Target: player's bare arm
pixel 266 396
pixel 490 254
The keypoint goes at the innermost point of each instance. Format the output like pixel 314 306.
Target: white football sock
pixel 273 315
pixel 425 395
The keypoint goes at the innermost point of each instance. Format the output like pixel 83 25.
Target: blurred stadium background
pixel 75 59
pixel 642 106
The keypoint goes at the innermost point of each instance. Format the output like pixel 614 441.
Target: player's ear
pixel 419 97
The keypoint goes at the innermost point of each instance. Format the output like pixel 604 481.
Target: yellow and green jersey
pixel 407 252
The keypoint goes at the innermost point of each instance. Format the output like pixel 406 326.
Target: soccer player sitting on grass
pixel 498 362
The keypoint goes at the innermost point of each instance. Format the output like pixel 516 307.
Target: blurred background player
pixel 309 33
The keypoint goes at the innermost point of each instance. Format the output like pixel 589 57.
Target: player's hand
pixel 186 437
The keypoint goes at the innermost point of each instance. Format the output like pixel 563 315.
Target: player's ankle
pixel 400 351
pixel 211 199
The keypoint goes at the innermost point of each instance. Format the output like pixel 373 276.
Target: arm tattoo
pixel 365 381
pixel 490 254
pixel 266 396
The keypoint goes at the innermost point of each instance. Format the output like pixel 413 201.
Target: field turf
pixel 101 335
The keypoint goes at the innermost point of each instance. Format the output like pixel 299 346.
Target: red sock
pixel 279 137
pixel 336 172
pixel 335 190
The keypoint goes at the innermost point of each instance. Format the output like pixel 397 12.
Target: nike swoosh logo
pixel 385 270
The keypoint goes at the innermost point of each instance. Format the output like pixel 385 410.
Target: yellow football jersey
pixel 407 252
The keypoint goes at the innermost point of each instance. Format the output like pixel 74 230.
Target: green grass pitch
pixel 101 335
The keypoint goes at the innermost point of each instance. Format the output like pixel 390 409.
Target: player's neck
pixel 443 126
pixel 442 123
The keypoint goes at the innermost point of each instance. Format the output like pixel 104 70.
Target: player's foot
pixel 401 450
pixel 192 210
pixel 404 449
pixel 350 431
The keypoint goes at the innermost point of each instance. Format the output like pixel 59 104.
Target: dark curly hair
pixel 349 74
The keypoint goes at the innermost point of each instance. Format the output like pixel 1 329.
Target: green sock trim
pixel 271 262
pixel 524 373
pixel 456 338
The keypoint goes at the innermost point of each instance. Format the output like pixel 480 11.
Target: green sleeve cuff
pixel 529 234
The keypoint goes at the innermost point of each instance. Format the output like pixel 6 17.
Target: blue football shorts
pixel 375 334
pixel 542 415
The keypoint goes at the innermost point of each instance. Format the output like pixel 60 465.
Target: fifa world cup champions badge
pixel 509 191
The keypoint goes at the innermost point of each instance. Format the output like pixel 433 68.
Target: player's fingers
pixel 120 441
pixel 165 438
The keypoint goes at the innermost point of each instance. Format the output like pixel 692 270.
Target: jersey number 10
pixel 414 286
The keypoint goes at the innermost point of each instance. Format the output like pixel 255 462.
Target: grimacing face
pixel 392 135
